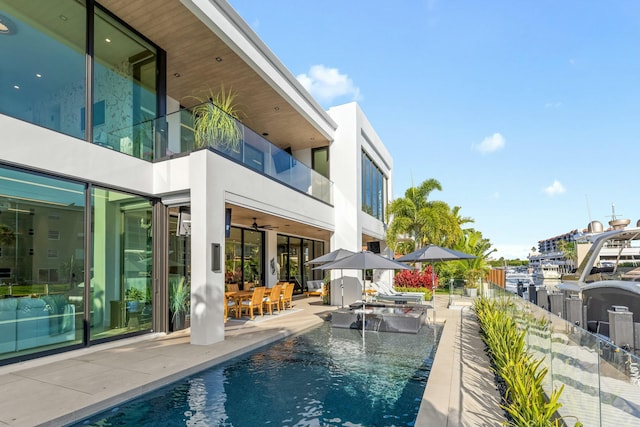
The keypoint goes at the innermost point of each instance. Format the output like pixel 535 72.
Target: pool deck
pixel 62 389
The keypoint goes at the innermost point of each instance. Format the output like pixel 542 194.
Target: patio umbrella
pixel 364 260
pixel 433 253
pixel 331 257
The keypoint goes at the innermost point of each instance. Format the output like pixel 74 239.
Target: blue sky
pixel 527 112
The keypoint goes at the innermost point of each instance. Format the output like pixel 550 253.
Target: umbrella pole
pixel 363 310
pixel 342 288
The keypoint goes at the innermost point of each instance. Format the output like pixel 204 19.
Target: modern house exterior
pixel 108 198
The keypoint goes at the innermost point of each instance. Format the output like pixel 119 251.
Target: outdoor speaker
pixel 373 247
pixel 215 258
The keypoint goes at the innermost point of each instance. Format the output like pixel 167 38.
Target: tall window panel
pixel 293 254
pixel 41 263
pixel 320 161
pixel 42 76
pixel 374 184
pixel 121 272
pixel 244 259
pixel 124 89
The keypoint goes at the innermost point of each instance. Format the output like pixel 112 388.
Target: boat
pixel 608 279
pixel 547 271
pixel 514 279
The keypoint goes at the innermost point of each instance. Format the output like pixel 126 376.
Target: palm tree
pixel 474 243
pixel 414 217
pixel 569 251
pixel 7 236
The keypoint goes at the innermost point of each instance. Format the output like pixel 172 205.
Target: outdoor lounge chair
pixel 315 288
pixel 386 293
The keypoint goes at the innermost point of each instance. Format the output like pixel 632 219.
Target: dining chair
pixel 273 298
pixel 229 305
pixel 233 287
pixel 254 303
pixel 287 295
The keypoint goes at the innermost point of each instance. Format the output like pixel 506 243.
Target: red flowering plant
pixel 415 281
pixel 415 278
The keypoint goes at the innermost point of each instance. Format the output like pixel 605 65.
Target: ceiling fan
pixel 257 227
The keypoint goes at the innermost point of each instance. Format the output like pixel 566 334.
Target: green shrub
pixel 525 401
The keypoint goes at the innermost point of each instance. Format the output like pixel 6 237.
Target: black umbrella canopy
pixel 432 253
pixel 364 260
pixel 331 256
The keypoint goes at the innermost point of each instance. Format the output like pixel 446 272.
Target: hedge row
pixel 520 375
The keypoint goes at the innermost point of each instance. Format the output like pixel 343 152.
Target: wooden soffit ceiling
pixel 198 60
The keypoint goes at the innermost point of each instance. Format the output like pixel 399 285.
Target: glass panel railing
pixel 176 134
pixel 601 381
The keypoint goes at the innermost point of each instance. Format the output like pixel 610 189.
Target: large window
pixel 320 161
pixel 374 184
pixel 244 257
pixel 124 89
pixel 41 263
pixel 44 81
pixel 121 285
pixel 43 287
pixel 293 254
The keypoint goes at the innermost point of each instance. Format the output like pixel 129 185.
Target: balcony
pixel 173 135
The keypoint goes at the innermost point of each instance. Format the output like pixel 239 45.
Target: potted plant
pixel 134 297
pixel 215 121
pixel 179 303
pixel 471 288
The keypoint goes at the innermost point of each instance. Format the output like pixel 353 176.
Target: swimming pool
pixel 323 377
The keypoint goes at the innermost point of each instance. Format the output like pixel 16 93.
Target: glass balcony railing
pixel 601 380
pixel 174 134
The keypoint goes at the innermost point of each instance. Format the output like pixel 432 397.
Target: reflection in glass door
pixel 244 253
pixel 179 264
pixel 122 261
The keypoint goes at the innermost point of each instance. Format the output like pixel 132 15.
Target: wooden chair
pixel 273 298
pixel 233 287
pixel 229 305
pixel 254 303
pixel 287 295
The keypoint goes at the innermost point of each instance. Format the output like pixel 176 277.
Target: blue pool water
pixel 321 378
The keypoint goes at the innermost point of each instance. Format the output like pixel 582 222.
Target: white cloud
pixel 555 188
pixel 327 84
pixel 490 144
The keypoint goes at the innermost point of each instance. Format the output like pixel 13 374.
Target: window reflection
pixel 38 92
pixel 373 188
pixel 124 89
pixel 293 253
pixel 121 285
pixel 244 258
pixel 41 263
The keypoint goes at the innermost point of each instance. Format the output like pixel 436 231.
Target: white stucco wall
pixel 353 135
pixel 52 152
